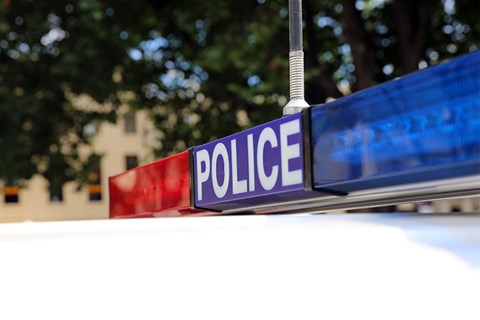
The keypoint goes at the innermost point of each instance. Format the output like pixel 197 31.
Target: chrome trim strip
pixel 425 191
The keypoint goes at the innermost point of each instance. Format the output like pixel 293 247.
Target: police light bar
pixel 412 139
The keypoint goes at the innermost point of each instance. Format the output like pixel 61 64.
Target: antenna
pixel 296 72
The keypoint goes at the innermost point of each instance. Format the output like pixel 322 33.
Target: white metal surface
pixel 243 267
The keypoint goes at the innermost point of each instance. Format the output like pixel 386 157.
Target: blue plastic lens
pixel 421 127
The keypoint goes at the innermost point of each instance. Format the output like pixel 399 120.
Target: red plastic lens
pixel 161 188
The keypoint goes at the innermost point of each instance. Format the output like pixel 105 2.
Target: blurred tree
pixel 205 69
pixel 50 53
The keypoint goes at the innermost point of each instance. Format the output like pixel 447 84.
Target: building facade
pixel 123 145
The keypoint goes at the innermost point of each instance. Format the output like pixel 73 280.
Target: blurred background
pixel 91 88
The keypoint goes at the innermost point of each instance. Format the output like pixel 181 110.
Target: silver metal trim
pixel 425 191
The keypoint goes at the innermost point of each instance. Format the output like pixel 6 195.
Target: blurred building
pixel 123 145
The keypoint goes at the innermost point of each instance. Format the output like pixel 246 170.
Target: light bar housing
pixel 161 188
pixel 260 166
pixel 422 127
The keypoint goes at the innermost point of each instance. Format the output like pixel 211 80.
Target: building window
pixel 56 193
pixel 10 194
pixel 131 162
pixel 95 192
pixel 94 179
pixel 130 122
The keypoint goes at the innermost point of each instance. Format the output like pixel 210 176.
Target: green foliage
pixel 204 69
pixel 49 53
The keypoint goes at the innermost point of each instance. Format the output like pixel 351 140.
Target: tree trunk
pixel 357 38
pixel 411 20
pixel 319 86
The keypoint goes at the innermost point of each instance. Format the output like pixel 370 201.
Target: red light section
pixel 161 188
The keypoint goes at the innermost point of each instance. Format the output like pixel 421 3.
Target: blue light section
pixel 421 127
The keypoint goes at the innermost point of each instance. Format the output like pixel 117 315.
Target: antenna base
pixel 295 106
